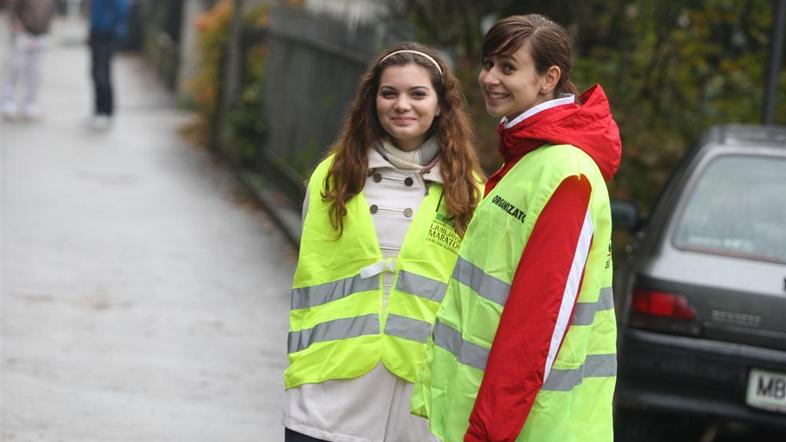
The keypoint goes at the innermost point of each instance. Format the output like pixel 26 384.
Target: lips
pixel 496 95
pixel 402 121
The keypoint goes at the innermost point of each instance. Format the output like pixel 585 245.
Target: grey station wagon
pixel 702 298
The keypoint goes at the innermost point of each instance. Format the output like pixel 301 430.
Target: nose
pixel 402 103
pixel 488 77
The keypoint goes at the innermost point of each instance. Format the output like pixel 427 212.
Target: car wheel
pixel 636 426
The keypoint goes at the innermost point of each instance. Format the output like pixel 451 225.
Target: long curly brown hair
pixel 457 159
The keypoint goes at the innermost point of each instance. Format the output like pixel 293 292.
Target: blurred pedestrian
pixel 30 22
pixel 107 27
pixel 524 345
pixel 383 219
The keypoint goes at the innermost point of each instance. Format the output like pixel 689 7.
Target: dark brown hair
pixel 548 44
pixel 458 162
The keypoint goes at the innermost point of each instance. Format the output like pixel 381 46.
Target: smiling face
pixel 406 104
pixel 511 84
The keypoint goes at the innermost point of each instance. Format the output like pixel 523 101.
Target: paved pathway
pixel 143 297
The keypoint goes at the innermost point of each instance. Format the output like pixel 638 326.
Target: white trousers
pixel 23 64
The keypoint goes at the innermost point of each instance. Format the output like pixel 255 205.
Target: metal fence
pixel 314 64
pixel 160 35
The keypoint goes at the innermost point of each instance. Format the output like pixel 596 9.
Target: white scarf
pixel 415 159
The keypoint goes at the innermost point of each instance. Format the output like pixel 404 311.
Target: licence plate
pixel 767 390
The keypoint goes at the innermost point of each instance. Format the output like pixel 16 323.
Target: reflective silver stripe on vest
pixel 487 286
pixel 584 313
pixel 421 286
pixel 305 297
pixel 595 366
pixel 466 352
pixel 407 328
pixel 331 330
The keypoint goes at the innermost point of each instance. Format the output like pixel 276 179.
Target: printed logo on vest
pixel 512 210
pixel 442 234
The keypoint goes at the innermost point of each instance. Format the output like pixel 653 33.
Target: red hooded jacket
pixel 516 366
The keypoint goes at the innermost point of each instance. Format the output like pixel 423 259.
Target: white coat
pixel 375 406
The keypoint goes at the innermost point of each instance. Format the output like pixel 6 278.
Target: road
pixel 144 296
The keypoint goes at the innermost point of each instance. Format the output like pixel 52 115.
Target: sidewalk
pixel 143 297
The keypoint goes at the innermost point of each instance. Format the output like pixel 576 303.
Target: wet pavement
pixel 144 297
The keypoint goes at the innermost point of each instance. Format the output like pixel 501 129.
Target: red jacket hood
pixel 588 126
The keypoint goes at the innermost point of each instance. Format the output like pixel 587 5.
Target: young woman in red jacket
pixel 532 278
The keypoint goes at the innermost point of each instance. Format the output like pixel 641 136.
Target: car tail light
pixel 661 310
pixel 663 304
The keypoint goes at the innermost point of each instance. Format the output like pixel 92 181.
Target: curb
pixel 276 204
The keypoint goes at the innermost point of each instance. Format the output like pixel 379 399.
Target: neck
pixel 407 146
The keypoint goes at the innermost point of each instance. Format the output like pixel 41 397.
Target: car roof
pixel 745 135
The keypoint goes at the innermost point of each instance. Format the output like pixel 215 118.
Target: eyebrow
pixel 507 58
pixel 411 89
pixel 501 57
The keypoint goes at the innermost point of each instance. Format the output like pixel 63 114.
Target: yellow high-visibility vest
pixel 575 402
pixel 338 327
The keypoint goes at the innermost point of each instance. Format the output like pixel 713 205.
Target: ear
pixel 550 80
pixel 439 111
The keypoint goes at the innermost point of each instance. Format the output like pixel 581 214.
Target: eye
pixel 387 93
pixel 508 68
pixel 419 94
pixel 487 64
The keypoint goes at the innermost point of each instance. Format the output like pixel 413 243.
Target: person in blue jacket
pixel 107 25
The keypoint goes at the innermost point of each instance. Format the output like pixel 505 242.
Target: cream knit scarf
pixel 413 160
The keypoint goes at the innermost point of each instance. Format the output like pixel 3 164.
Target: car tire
pixel 635 426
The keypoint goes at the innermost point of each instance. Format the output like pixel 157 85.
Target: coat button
pixel 377 177
pixel 409 181
pixel 408 212
pixel 373 208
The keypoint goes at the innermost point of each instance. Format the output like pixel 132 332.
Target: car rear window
pixel 737 208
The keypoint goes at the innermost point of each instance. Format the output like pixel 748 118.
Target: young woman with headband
pixel 383 218
pixel 524 345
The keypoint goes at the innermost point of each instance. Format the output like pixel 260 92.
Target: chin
pixel 494 112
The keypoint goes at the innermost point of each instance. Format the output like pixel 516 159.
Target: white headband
pixel 412 51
